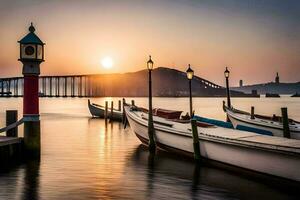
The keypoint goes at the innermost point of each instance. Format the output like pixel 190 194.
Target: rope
pixel 11 126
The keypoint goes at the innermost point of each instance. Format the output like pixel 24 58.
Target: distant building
pixel 277 78
pixel 241 83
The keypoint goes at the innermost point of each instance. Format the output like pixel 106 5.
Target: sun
pixel 107 62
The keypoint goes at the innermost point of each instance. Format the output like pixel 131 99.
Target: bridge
pixel 53 86
pixel 101 85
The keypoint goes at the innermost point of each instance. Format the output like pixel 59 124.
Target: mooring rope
pixel 11 126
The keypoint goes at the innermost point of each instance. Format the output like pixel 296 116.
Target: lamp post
pixel 31 55
pixel 226 74
pixel 150 115
pixel 190 74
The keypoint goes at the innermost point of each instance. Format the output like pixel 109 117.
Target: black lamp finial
pixel 31 28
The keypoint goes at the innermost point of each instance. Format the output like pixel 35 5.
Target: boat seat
pixel 168 114
pixel 205 125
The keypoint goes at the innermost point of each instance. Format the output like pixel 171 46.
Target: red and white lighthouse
pixel 31 55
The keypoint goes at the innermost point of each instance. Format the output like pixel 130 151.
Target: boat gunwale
pixel 293 128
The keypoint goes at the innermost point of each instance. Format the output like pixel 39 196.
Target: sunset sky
pixel 255 38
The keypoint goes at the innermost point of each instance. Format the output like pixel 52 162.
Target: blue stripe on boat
pixel 214 122
pixel 229 125
pixel 254 130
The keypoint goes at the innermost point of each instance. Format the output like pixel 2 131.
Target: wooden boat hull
pixel 97 111
pixel 262 124
pixel 273 162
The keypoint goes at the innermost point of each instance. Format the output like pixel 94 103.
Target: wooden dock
pixel 10 147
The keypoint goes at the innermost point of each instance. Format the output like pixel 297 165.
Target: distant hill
pixel 166 83
pixel 280 88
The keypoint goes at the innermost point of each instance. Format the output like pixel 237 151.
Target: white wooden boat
pixel 265 154
pixel 99 111
pixel 273 125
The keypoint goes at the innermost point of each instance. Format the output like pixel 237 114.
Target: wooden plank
pixel 9 140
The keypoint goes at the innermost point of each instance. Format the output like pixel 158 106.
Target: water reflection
pixel 20 180
pixel 31 180
pixel 86 158
pixel 196 177
pixel 173 177
pixel 150 174
pixel 204 180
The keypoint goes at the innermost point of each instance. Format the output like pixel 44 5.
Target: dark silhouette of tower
pixel 241 83
pixel 277 78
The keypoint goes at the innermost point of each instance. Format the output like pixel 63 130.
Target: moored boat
pixel 273 124
pixel 265 154
pixel 99 111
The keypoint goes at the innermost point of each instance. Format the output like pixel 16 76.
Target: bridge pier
pixel 90 88
pixel 80 87
pixel 66 86
pixel 18 82
pixel 58 86
pixel 50 84
pixel 45 86
pixel 15 81
pixel 72 86
pixel 9 84
pixel 85 86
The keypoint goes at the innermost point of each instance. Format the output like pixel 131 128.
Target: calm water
pixel 84 158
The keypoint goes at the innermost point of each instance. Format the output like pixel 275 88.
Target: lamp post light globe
pixel 31 47
pixel 189 73
pixel 150 63
pixel 226 73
